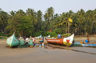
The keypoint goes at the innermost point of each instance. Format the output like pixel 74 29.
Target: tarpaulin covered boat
pixel 68 41
pixel 21 40
pixel 12 41
pixel 31 42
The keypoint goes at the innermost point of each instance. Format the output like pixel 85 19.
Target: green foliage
pixel 52 34
pixel 3 37
pixel 32 23
pixel 66 35
pixel 2 34
pixel 3 20
pixel 58 30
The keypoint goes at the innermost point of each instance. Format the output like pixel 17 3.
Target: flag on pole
pixel 70 20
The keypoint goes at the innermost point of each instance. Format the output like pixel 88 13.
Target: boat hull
pixel 12 41
pixel 65 41
pixel 88 45
pixel 58 41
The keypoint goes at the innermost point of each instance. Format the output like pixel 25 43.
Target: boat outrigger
pixel 68 41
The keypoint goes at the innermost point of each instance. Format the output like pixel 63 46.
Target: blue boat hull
pixel 86 45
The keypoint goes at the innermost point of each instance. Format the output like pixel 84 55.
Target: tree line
pixel 35 23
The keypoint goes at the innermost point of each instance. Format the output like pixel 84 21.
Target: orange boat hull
pixel 68 41
pixel 58 41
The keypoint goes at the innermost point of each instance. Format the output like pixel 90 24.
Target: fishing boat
pixel 68 41
pixel 91 44
pixel 12 41
pixel 88 45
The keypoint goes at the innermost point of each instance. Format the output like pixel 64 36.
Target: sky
pixel 59 6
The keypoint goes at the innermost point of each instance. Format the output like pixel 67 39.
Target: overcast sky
pixel 58 5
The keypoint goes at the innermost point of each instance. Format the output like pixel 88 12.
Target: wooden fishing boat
pixel 68 41
pixel 88 45
pixel 12 41
pixel 91 44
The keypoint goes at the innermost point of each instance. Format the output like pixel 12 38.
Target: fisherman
pixel 42 42
pixel 87 40
pixel 59 36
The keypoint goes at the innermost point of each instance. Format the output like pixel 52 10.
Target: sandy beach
pixel 46 55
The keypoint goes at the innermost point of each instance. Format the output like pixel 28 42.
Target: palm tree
pixel 3 20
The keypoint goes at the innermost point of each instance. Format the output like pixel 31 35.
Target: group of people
pixel 31 42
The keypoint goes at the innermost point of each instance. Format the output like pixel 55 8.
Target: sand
pixel 46 55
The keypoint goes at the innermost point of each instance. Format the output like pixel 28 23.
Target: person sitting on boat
pixel 59 36
pixel 86 41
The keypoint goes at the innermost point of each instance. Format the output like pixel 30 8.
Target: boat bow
pixel 68 40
